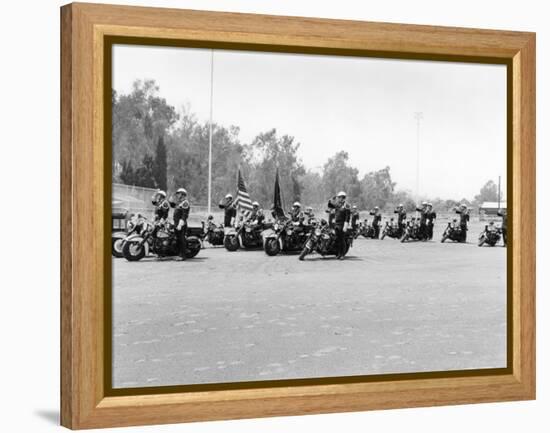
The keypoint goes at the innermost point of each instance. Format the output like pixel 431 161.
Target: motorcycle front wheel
pixel 383 236
pixel 231 243
pixel 271 247
pixel 133 251
pixel 404 238
pixel 116 249
pixel 193 249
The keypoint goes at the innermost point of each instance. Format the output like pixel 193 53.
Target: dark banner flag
pixel 278 209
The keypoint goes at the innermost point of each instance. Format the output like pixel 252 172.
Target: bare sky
pixel 365 106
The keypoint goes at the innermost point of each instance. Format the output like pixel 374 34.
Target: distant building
pixel 488 210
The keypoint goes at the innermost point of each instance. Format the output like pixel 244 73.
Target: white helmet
pixel 161 192
pixel 296 204
pixel 256 204
pixel 181 191
pixel 229 196
pixel 341 194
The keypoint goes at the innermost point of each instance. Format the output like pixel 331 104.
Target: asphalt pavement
pixel 242 316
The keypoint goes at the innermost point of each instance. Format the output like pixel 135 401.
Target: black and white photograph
pixel 281 216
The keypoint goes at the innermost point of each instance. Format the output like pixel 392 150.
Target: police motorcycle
pixel 412 231
pixel 212 233
pixel 286 236
pixel 322 239
pixel 119 230
pixel 246 235
pixel 453 232
pixel 161 239
pixel 490 236
pixel 134 227
pixel 367 230
pixel 391 229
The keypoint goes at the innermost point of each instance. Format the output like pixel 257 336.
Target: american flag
pixel 243 202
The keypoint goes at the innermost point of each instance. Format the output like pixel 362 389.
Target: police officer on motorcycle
pixel 309 215
pixel 401 217
pixel 376 221
pixel 296 214
pixel 181 213
pixel 257 215
pixel 462 210
pixel 162 208
pixel 430 220
pixel 504 226
pixel 229 210
pixel 423 220
pixel 342 214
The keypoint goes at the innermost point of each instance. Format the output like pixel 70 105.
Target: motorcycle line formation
pixel 300 232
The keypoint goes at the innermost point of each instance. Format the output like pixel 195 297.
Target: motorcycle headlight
pixel 317 232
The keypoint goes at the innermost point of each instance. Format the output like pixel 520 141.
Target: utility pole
pixel 210 132
pixel 418 116
pixel 499 192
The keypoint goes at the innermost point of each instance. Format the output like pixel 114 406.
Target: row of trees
pixel 155 146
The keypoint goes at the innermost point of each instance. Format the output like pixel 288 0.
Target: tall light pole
pixel 418 116
pixel 210 132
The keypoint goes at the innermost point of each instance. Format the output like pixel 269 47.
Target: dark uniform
pixel 464 218
pixel 181 213
pixel 504 214
pixel 376 221
pixel 422 221
pixel 330 217
pixel 229 211
pixel 401 217
pixel 257 215
pixel 342 214
pixel 297 216
pixel 430 222
pixel 162 209
pixel 309 217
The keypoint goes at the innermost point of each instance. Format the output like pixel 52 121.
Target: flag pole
pixel 210 133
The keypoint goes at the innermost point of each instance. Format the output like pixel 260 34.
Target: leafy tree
pixel 138 120
pixel 264 155
pixel 144 175
pixel 404 198
pixel 127 173
pixel 488 192
pixel 377 188
pixel 188 159
pixel 161 165
pixel 338 175
pixel 313 192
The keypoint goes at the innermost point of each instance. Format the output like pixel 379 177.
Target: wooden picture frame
pixel 85 31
